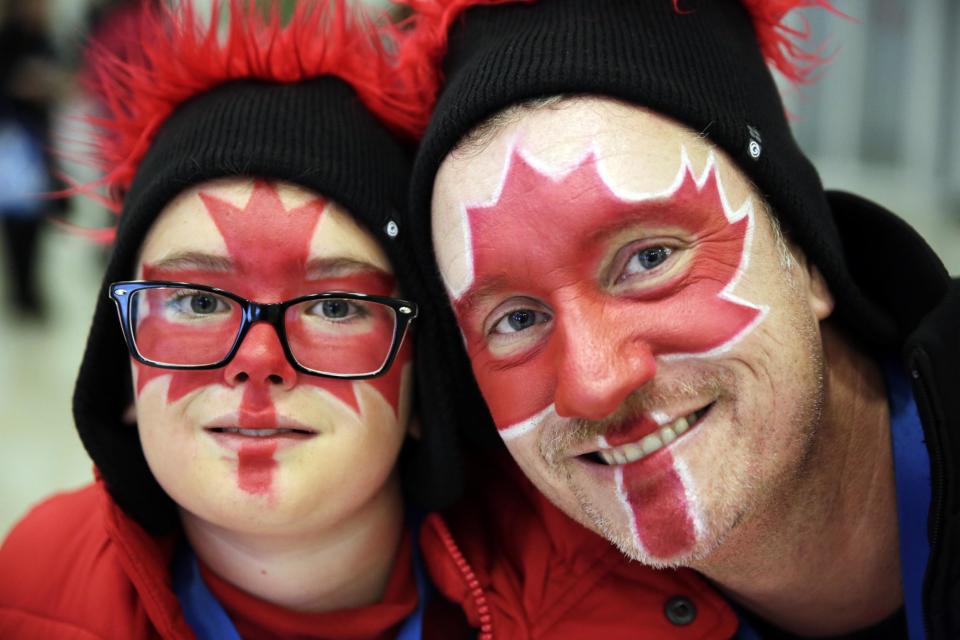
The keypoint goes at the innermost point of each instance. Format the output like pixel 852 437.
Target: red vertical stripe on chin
pixel 255 467
pixel 658 500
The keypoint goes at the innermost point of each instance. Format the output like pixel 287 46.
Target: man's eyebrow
pixel 333 267
pixel 193 260
pixel 632 218
pixel 481 292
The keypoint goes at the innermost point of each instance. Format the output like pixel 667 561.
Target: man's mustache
pixel 564 434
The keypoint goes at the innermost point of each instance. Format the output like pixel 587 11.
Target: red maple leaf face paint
pixel 268 258
pixel 540 241
pixel 578 291
pixel 268 248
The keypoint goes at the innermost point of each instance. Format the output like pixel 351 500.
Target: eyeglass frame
pixel 272 313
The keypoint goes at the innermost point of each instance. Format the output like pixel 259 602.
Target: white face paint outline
pixel 732 215
pixel 555 174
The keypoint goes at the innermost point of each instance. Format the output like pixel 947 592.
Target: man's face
pixel 295 465
pixel 647 353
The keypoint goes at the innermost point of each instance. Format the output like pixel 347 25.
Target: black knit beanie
pixel 701 66
pixel 316 134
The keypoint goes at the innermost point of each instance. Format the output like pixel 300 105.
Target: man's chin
pixel 608 518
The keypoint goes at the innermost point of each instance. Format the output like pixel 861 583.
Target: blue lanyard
pixel 209 621
pixel 203 612
pixel 911 465
pixel 412 628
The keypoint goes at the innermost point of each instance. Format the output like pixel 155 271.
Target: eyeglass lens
pixel 183 326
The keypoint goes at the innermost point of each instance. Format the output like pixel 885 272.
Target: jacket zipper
pixel 924 398
pixel 470 578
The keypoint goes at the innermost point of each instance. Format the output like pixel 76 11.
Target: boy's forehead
pixel 186 225
pixel 637 152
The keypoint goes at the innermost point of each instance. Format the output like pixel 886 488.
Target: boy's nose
pixel 260 359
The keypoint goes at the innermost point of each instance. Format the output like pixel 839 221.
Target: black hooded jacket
pixel 896 268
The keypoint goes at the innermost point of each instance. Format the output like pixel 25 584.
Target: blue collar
pixel 209 621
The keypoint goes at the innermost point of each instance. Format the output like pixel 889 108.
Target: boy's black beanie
pixel 316 134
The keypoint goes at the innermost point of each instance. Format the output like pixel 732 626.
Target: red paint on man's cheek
pixel 658 500
pixel 540 239
pixel 255 467
pixel 514 394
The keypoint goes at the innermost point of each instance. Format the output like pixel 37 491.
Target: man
pixel 684 342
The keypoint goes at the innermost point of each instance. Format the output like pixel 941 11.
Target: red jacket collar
pixel 520 568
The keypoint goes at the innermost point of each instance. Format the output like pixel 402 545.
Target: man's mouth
pixel 650 443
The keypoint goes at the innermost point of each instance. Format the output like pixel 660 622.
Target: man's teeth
pixel 628 453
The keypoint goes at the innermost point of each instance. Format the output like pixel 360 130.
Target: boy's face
pixel 313 449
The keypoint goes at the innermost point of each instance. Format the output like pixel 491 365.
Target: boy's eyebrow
pixel 332 267
pixel 193 260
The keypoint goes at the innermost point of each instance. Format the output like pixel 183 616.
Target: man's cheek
pixel 516 394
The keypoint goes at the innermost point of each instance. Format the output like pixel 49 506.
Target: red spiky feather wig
pixel 783 47
pixel 180 54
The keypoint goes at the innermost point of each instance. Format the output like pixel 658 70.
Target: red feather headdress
pixel 783 46
pixel 179 54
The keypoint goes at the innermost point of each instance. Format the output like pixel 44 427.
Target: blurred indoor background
pixel 880 122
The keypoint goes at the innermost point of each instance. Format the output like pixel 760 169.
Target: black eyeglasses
pixel 179 325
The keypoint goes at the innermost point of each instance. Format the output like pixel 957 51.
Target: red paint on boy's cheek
pixel 658 500
pixel 163 340
pixel 255 466
pixel 390 384
pixel 269 247
pixel 539 239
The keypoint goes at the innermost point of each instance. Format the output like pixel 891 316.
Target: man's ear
pixel 819 296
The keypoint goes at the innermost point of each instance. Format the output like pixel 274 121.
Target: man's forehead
pixel 637 153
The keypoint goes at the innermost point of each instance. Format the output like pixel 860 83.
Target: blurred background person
pixel 32 82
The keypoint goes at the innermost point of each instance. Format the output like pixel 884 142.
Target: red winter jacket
pixel 78 568
pixel 523 570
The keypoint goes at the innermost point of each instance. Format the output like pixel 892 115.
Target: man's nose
pixel 599 367
pixel 260 359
